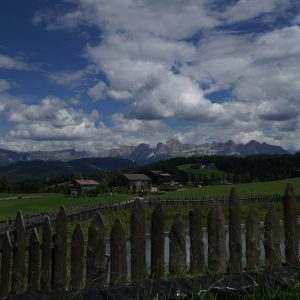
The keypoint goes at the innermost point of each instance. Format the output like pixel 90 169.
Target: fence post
pixel 252 240
pixel 235 243
pixel 118 265
pixel 77 252
pixel 157 242
pixel 216 240
pixel 5 265
pixel 290 225
pixel 60 252
pixel 18 271
pixel 46 256
pixel 196 240
pixel 177 255
pixel 95 261
pixel 272 239
pixel 34 262
pixel 138 242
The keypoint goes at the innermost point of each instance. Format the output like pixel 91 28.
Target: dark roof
pixel 85 182
pixel 141 177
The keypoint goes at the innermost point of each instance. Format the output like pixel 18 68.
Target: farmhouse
pixel 159 177
pixel 82 186
pixel 135 182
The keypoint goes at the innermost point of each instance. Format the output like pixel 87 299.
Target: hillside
pixel 43 169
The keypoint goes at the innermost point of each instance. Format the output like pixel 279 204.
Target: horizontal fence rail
pixel 83 212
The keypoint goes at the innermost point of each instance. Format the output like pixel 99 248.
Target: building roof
pixel 86 182
pixel 160 173
pixel 140 177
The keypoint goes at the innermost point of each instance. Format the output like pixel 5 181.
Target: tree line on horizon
pixel 238 169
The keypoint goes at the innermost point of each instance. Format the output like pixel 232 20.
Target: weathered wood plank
pixel 272 239
pixel 157 242
pixel 290 225
pixel 235 241
pixel 252 240
pixel 216 240
pixel 118 265
pixel 138 242
pixel 96 272
pixel 177 246
pixel 77 253
pixel 19 246
pixel 46 268
pixel 34 262
pixel 60 252
pixel 5 266
pixel 196 240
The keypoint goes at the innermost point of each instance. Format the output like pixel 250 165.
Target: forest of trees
pixel 243 169
pixel 237 169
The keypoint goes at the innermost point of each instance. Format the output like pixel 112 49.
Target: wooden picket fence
pixel 51 265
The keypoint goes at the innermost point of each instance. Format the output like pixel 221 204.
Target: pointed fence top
pixel 138 206
pixel 61 213
pixel 34 235
pixel 117 227
pixel 20 221
pixel 97 222
pixel 289 191
pixel 78 231
pixel 233 195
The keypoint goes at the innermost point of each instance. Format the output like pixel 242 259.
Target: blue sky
pixel 96 74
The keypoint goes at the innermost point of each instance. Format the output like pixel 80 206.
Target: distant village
pixel 153 181
pixel 136 183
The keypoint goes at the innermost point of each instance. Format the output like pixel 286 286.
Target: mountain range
pixel 145 153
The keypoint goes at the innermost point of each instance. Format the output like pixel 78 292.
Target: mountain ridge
pixel 174 148
pixel 36 169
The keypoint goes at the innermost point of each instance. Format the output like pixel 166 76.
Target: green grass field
pixel 255 188
pixel 31 204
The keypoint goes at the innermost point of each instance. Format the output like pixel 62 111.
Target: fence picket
pixel 18 270
pixel 177 256
pixel 77 252
pixel 252 240
pixel 60 252
pixel 138 242
pixel 46 256
pixel 196 240
pixel 216 240
pixel 5 266
pixel 290 225
pixel 95 261
pixel 235 241
pixel 118 265
pixel 34 262
pixel 272 239
pixel 157 242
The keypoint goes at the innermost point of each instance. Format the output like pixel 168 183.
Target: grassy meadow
pixel 254 188
pixel 31 204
